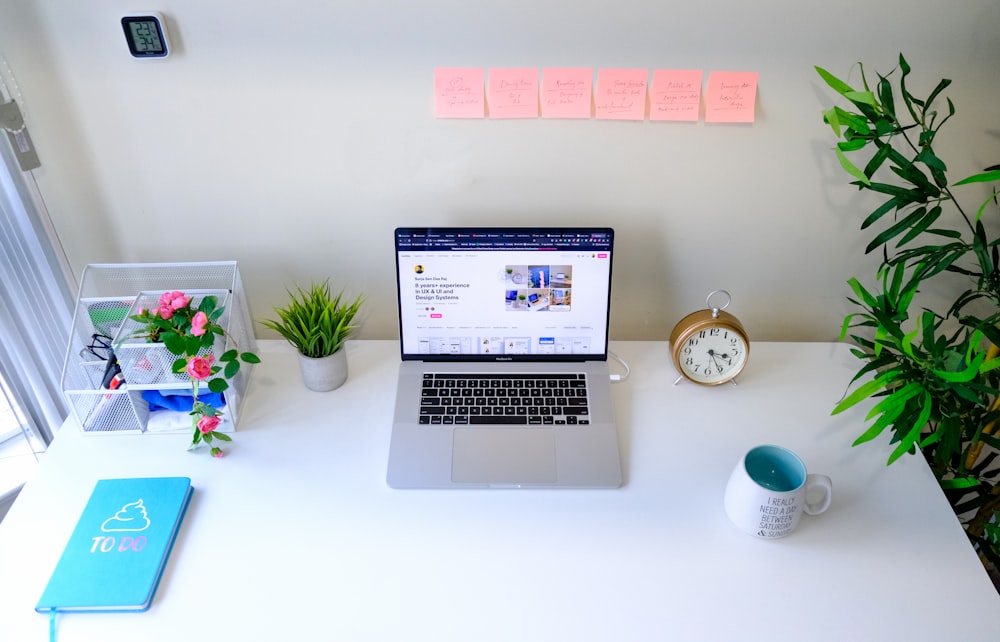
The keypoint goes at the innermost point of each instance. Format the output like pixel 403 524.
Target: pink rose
pixel 162 312
pixel 198 324
pixel 200 368
pixel 217 453
pixel 208 423
pixel 174 301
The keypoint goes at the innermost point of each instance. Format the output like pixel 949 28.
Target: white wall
pixel 294 136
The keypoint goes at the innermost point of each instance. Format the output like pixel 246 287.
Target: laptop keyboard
pixel 514 399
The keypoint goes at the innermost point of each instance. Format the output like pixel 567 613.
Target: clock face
pixel 711 355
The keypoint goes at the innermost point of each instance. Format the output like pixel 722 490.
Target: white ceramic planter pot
pixel 324 373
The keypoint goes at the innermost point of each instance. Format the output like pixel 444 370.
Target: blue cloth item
pixel 181 400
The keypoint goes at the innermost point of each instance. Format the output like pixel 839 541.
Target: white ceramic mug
pixel 767 492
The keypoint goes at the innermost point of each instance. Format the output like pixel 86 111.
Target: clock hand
pixel 725 357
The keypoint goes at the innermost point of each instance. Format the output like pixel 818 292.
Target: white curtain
pixel 36 300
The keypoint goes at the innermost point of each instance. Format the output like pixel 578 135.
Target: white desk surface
pixel 295 535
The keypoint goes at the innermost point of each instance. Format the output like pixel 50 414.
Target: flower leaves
pixel 190 331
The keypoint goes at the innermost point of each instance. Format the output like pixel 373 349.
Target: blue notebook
pixel 115 557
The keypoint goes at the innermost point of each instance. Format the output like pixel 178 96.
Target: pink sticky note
pixel 513 93
pixel 567 93
pixel 458 93
pixel 731 96
pixel 621 94
pixel 675 95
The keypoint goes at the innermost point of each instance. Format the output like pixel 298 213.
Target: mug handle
pixel 814 483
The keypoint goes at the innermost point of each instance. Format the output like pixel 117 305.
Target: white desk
pixel 295 535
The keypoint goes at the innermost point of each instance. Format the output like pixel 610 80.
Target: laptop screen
pixel 504 294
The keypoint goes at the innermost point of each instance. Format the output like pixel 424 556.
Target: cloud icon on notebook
pixel 131 517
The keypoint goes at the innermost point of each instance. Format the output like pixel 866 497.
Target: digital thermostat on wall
pixel 146 35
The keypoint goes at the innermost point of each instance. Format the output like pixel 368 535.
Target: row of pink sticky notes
pixel 621 94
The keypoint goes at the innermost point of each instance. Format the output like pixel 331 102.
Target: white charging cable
pixel 618 378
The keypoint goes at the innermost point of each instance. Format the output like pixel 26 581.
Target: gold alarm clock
pixel 710 347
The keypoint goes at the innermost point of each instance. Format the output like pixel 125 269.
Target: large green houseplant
pixel 317 323
pixel 933 375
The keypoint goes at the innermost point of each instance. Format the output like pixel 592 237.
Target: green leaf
pixel 217 385
pixel 852 145
pixel 192 345
pixel 837 84
pixel 850 167
pixel 174 343
pixel 907 442
pixel 907 342
pixel 208 304
pixel 877 159
pixel 179 365
pixel 920 226
pixel 231 369
pixel 895 399
pixel 964 375
pixel 228 355
pixel 929 158
pixel 982 208
pixel 888 418
pixel 860 291
pixel 881 211
pixel 982 177
pixel 860 394
pixel 856 124
pixel 892 285
pixel 937 90
pixel 862 98
pixel 221 436
pixel 831 119
pixel 959 483
pixel 910 172
pixel 908 221
pixel 249 357
pixel 885 94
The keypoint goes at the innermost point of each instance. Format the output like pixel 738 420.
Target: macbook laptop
pixel 504 379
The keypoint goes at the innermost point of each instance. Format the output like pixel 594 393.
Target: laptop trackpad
pixel 504 455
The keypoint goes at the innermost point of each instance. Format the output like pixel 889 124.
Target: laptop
pixel 504 379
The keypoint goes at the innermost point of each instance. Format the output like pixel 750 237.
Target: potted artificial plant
pixel 318 323
pixel 934 374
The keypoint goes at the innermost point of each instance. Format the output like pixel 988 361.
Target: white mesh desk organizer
pixel 109 294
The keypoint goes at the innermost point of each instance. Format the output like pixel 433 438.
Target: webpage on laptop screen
pixel 504 293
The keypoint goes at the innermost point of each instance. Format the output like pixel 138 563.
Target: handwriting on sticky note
pixel 458 93
pixel 567 93
pixel 675 95
pixel 621 94
pixel 731 96
pixel 513 93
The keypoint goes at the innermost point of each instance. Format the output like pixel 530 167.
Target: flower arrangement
pixel 189 332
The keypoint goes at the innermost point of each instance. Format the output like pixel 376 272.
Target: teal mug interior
pixel 775 468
